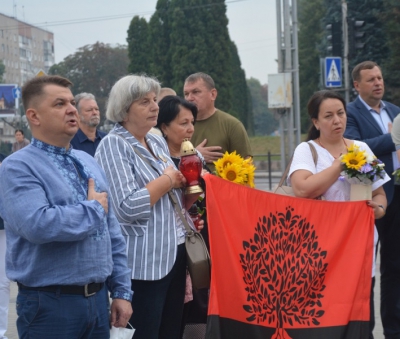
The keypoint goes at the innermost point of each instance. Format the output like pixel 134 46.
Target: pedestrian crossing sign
pixel 333 72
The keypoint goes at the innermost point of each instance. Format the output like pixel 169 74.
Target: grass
pixel 262 144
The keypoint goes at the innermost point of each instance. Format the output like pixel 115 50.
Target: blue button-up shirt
pixel 81 142
pixel 382 119
pixel 55 236
pixel 2 157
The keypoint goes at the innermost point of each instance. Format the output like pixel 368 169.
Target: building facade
pixel 24 49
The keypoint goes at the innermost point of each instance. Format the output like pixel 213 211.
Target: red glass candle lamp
pixel 190 166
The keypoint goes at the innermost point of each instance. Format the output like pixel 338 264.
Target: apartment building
pixel 24 50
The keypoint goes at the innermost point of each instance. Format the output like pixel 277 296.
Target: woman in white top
pixel 327 110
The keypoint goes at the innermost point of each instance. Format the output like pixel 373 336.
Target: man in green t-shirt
pixel 215 131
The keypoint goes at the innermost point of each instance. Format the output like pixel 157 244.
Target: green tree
pixel 240 93
pixel 138 46
pixel 159 37
pixel 94 69
pixel 390 66
pixel 264 121
pixel 311 13
pixel 200 42
pixel 375 38
pixel 189 36
pixel 2 70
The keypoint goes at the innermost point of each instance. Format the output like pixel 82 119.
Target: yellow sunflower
pixel 233 173
pixel 228 158
pixel 248 172
pixel 353 148
pixel 354 160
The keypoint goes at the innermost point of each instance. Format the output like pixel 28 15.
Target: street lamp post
pixel 345 51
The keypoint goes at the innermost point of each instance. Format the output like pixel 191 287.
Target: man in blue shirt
pixel 4 282
pixel 88 136
pixel 64 244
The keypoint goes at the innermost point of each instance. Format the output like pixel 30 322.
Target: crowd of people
pixel 87 238
pixel 99 218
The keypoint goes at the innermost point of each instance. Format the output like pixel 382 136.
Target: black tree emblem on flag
pixel 284 271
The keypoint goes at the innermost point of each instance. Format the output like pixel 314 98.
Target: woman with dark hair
pixel 328 115
pixel 20 141
pixel 327 111
pixel 176 120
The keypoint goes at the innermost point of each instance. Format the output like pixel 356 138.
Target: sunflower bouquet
pixel 234 168
pixel 361 167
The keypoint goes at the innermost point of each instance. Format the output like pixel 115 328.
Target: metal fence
pixel 268 169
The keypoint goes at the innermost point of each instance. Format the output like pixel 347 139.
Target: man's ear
pixel 214 94
pixel 355 84
pixel 32 116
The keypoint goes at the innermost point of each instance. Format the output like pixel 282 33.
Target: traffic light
pixel 334 39
pixel 356 35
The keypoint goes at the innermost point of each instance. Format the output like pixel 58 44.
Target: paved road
pixel 261 180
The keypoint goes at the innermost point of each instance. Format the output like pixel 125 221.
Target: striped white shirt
pixel 150 232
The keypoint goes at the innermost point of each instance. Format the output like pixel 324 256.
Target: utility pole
pixel 279 34
pixel 288 68
pixel 296 76
pixel 345 52
pixel 288 62
pixel 280 70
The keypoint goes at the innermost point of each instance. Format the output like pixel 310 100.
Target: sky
pixel 76 23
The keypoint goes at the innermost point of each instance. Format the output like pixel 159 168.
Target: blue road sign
pixel 333 72
pixel 16 92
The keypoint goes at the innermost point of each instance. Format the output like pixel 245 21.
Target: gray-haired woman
pixel 139 185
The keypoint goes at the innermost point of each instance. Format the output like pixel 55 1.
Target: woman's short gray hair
pixel 127 90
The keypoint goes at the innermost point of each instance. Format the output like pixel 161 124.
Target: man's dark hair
pixel 19 130
pixel 34 87
pixel 356 73
pixel 170 106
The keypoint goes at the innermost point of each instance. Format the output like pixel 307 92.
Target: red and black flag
pixel 286 267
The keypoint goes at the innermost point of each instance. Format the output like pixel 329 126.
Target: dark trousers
pixel 389 237
pixel 158 305
pixel 372 311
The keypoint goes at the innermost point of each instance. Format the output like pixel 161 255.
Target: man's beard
pixel 93 122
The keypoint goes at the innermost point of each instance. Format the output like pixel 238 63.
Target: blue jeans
pixel 48 315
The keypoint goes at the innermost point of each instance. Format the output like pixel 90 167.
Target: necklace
pixel 344 141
